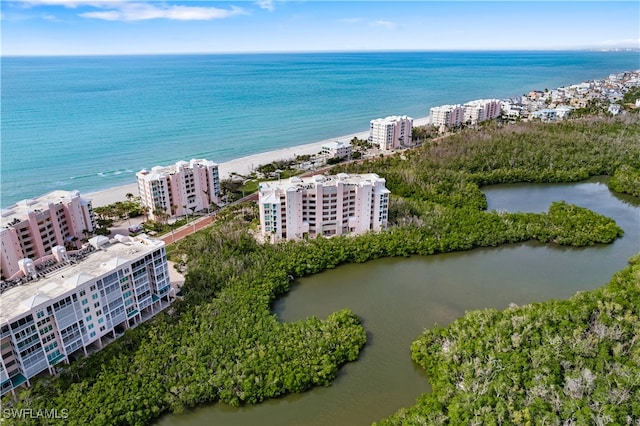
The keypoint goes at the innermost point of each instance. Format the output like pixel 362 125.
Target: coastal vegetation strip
pixel 222 343
pixel 574 361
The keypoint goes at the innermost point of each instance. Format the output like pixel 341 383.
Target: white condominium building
pixel 391 132
pixel 481 110
pixel 77 302
pixel 31 228
pixel 337 149
pixel 447 115
pixel 323 205
pixel 179 189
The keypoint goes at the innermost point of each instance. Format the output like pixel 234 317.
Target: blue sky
pixel 95 27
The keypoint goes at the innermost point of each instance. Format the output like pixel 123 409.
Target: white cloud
pixel 266 4
pixel 146 11
pixel 70 3
pixel 50 18
pixel 124 10
pixel 386 24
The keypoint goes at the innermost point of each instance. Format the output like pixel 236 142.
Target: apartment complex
pixel 323 205
pixel 447 115
pixel 31 228
pixel 77 302
pixel 481 110
pixel 179 189
pixel 337 149
pixel 391 132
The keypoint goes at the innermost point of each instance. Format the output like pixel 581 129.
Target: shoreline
pixel 241 166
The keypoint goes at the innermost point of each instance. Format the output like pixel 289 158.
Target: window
pixel 86 310
pixel 85 301
pixel 90 326
pixel 95 296
pixel 97 304
pixel 88 318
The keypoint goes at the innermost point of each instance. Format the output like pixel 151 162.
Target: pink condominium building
pixel 32 228
pixel 481 110
pixel 472 112
pixel 179 189
pixel 391 132
pixel 77 302
pixel 447 115
pixel 323 205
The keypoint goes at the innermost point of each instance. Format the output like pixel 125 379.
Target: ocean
pixel 90 123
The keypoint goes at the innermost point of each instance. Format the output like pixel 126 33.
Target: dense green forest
pixel 222 342
pixel 574 361
pixel 626 180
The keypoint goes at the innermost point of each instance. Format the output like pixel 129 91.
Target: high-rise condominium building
pixel 447 115
pixel 481 110
pixel 31 228
pixel 323 205
pixel 76 302
pixel 179 189
pixel 391 132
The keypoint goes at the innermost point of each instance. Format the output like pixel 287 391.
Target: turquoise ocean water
pixel 90 123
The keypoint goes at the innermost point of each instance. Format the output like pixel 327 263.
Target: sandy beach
pixel 241 166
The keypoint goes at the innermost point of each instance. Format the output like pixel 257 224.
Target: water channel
pixel 398 297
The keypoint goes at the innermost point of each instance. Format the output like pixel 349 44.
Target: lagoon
pixel 398 297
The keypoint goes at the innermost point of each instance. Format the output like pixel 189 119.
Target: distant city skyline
pixel 105 27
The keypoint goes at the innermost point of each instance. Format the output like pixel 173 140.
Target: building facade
pixel 337 149
pixel 481 110
pixel 31 228
pixel 77 303
pixel 323 205
pixel 447 115
pixel 179 189
pixel 391 132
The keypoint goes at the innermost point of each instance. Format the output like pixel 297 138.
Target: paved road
pixel 201 223
pixel 180 233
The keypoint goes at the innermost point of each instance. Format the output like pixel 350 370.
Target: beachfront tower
pixel 481 110
pixel 447 115
pixel 61 310
pixel 179 189
pixel 32 228
pixel 391 133
pixel 322 205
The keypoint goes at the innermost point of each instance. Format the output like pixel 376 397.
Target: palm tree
pixel 208 200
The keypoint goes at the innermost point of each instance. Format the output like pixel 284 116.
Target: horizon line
pixel 271 52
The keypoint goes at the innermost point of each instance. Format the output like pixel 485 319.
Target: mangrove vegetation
pixel 222 343
pixel 561 362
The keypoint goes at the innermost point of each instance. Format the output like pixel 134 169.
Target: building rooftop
pixel 391 119
pixel 296 182
pixel 159 171
pixel 21 209
pixel 68 275
pixel 336 145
